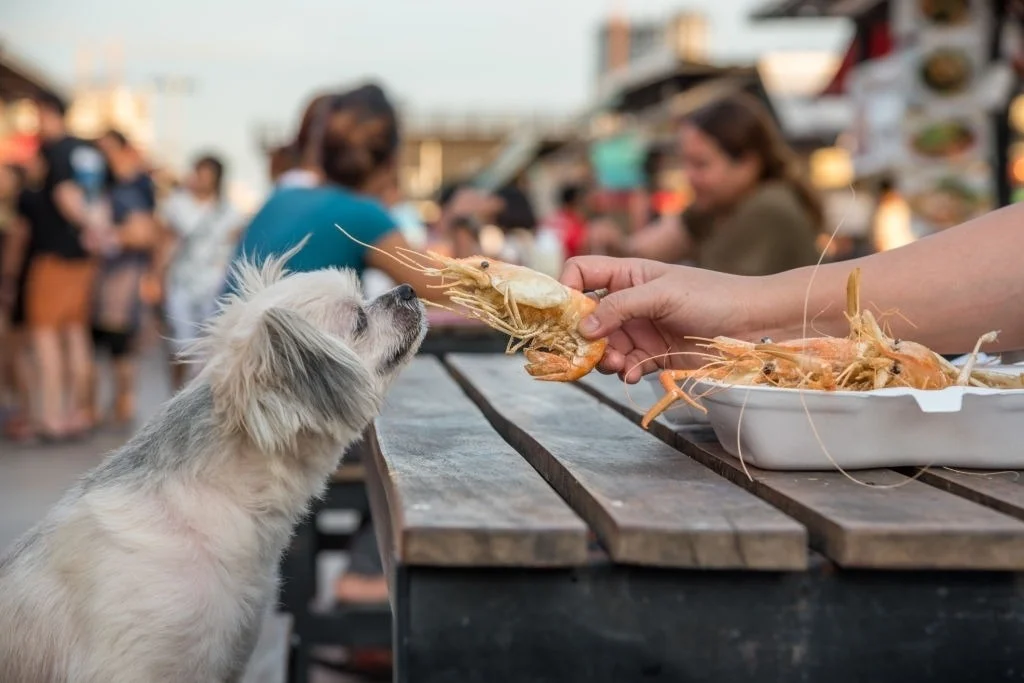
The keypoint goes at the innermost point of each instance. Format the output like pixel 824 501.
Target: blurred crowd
pixel 91 246
pixel 95 245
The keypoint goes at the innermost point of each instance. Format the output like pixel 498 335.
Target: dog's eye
pixel 361 321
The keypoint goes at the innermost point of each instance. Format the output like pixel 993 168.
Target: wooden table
pixel 534 532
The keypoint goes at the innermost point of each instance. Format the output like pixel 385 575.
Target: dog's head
pixel 303 354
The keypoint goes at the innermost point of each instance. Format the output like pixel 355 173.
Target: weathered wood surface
pixel 913 526
pixel 1002 491
pixel 454 493
pixel 648 503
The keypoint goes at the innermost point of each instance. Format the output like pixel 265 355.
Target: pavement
pixel 34 477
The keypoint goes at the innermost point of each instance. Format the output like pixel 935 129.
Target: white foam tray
pixel 679 414
pixel 963 427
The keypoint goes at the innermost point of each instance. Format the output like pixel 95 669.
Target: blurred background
pixel 145 147
pixel 542 92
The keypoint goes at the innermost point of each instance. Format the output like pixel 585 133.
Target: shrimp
pixel 864 360
pixel 538 313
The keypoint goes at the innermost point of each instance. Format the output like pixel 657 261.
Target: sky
pixel 256 62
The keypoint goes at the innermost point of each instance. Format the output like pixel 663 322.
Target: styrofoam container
pixel 955 427
pixel 680 413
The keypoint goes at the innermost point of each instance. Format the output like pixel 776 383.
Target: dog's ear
pixel 250 275
pixel 288 378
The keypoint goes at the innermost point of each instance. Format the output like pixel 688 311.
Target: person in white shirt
pixel 203 228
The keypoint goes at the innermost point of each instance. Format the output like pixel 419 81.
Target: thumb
pixel 618 308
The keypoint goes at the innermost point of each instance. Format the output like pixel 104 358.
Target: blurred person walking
pixel 569 221
pixel 13 250
pixel 60 277
pixel 118 305
pixel 202 230
pixel 753 212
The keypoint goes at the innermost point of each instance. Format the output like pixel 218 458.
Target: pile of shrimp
pixel 538 313
pixel 867 359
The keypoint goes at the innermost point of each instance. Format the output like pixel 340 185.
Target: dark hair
pixel 360 136
pixel 117 136
pixel 656 154
pixel 447 193
pixel 47 99
pixel 517 211
pixel 348 135
pixel 570 194
pixel 213 163
pixel 741 125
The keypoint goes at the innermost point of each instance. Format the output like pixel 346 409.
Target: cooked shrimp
pixel 864 360
pixel 539 314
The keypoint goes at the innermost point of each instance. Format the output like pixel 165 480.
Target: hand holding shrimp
pixel 540 315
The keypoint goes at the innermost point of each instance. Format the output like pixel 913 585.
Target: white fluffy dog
pixel 156 567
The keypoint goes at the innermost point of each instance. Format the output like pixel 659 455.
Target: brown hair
pixel 349 136
pixel 741 125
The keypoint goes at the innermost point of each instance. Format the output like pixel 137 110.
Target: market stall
pixel 930 84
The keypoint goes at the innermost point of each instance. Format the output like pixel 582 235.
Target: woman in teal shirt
pixel 351 142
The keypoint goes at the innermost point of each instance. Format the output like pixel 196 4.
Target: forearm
pixel 166 248
pixel 70 201
pixel 949 289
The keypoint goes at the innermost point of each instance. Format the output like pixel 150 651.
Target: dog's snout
pixel 405 293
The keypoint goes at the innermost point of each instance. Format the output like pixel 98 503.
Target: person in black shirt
pixel 60 276
pixel 118 305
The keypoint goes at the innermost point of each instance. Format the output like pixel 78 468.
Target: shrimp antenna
pixel 403 259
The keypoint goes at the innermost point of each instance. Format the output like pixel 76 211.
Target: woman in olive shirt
pixel 753 213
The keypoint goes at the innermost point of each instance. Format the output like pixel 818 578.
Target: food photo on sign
pixel 942 197
pixel 946 138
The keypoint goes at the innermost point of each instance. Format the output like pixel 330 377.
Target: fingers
pixel 598 272
pixel 621 307
pixel 636 364
pixel 590 272
pixel 612 362
pixel 619 344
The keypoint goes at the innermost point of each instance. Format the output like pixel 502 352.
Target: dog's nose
pixel 406 293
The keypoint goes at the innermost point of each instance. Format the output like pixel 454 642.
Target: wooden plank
pixel 454 492
pixel 914 526
pixel 1002 491
pixel 648 503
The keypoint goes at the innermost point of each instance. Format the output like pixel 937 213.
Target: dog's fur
pixel 158 564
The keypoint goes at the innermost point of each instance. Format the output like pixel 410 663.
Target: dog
pixel 158 565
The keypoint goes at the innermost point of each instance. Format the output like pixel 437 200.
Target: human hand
pixel 652 307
